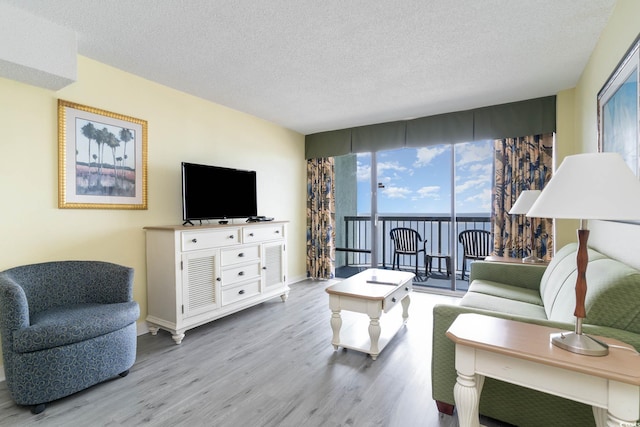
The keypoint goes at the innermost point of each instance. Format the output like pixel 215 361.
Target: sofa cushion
pixel 613 289
pixel 494 296
pixel 613 292
pixel 558 283
pixel 70 324
pixel 488 287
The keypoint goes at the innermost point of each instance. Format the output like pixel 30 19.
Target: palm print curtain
pixel 320 218
pixel 523 163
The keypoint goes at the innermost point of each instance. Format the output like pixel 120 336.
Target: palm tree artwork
pixel 100 175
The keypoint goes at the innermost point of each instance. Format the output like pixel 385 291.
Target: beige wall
pixel 180 128
pixel 621 30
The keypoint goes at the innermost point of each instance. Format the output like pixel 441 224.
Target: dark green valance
pixel 383 136
pixel 328 144
pixel 441 129
pixel 515 119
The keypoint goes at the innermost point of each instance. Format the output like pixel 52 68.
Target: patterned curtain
pixel 523 163
pixel 321 236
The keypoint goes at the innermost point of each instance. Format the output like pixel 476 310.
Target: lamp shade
pixel 590 186
pixel 524 202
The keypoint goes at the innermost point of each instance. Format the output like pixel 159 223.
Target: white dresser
pixel 196 274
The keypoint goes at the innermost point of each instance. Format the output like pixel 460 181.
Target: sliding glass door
pixel 437 191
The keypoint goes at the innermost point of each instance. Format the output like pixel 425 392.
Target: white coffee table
pixel 371 292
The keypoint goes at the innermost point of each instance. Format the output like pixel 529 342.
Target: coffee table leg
pixel 336 324
pixel 374 336
pixel 405 308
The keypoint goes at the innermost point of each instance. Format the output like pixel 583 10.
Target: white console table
pixel 521 353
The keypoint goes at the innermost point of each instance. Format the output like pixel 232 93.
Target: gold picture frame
pixel 102 159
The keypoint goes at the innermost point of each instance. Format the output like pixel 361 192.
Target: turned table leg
pixel 374 336
pixel 466 391
pixel 405 308
pixel 336 324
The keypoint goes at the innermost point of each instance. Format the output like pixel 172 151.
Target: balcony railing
pixel 355 242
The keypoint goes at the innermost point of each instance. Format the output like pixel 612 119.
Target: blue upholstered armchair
pixel 65 326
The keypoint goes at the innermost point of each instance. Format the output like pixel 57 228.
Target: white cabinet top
pixel 205 226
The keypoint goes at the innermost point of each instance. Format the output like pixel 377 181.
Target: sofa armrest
pixel 521 275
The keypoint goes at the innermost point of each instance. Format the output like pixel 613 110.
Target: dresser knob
pixel 241 254
pixel 277 231
pixel 406 288
pixel 241 273
pixel 393 299
pixel 241 292
pixel 218 279
pixel 194 240
pixel 231 236
pixel 250 234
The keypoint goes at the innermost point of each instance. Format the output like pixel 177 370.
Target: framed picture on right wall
pixel 619 110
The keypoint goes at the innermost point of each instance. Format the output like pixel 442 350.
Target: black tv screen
pixel 212 192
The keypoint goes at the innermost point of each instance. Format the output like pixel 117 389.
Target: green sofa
pixel 543 295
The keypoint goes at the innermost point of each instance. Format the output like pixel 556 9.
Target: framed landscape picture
pixel 102 159
pixel 619 110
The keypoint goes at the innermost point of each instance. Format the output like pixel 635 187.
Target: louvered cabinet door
pixel 200 282
pixel 273 265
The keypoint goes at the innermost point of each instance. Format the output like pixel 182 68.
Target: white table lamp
pixel 588 186
pixel 521 207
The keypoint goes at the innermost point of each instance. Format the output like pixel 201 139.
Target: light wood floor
pixel 271 365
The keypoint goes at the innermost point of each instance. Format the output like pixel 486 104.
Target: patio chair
pixel 406 241
pixel 476 245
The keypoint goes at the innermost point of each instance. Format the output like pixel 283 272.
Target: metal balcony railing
pixel 355 241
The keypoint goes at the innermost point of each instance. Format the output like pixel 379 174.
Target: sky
pixel 418 180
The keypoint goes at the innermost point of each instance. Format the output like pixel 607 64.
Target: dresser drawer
pixel 262 233
pixel 391 300
pixel 194 240
pixel 241 273
pixel 237 293
pixel 237 255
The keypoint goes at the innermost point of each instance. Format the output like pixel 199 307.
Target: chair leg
pixel 38 409
pixel 464 263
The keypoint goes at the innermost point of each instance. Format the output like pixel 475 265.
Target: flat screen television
pixel 213 192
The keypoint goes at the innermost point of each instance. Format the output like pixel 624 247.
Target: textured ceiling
pixel 315 65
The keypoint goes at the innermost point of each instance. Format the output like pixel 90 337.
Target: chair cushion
pixel 70 324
